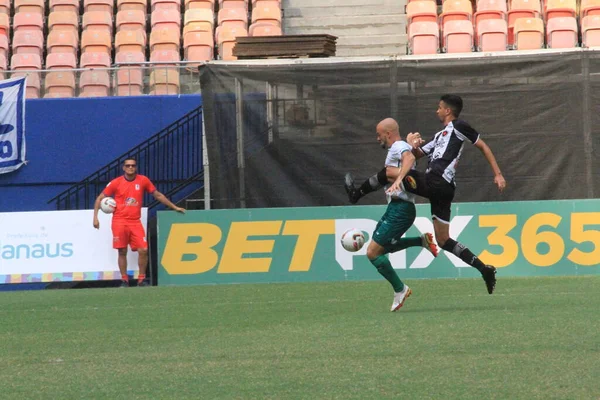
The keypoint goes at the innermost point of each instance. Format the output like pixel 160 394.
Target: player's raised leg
pixel 374 183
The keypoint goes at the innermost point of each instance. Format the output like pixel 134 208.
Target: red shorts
pixel 129 233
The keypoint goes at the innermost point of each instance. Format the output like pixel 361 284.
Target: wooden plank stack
pixel 286 46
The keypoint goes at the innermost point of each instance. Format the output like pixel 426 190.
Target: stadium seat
pixel 95 60
pixel 561 32
pixel 61 60
pixel 421 10
pixel 522 9
pixel 59 84
pixel 129 77
pixel 134 41
pixel 490 9
pixel 453 10
pixel 225 38
pixel 198 19
pixel 164 81
pixel 28 62
pixel 140 5
pixel 264 29
pixel 166 5
pixel 233 4
pixel 62 42
pixel 268 13
pixel 529 34
pixel 165 56
pixel 28 21
pixel 28 42
pixel 97 20
pixel 208 4
pixel 5 7
pixel 4 46
pixel 166 19
pixel 198 46
pixel 560 8
pixel 64 5
pixel 34 85
pixel 4 25
pixel 98 5
pixel 3 66
pixel 64 21
pixel 423 37
pixel 458 36
pixel 233 18
pixel 493 35
pixel 94 84
pixel 30 6
pixel 165 39
pixel 590 31
pixel 96 41
pixel 589 7
pixel 131 20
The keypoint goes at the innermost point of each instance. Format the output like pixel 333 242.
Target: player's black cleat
pixel 144 283
pixel 124 283
pixel 489 276
pixel 353 193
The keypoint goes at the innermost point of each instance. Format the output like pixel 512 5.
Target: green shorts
pixel 398 217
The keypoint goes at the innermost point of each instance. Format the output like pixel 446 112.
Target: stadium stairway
pixel 376 29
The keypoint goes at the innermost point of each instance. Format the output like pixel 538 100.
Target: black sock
pixel 462 252
pixel 374 183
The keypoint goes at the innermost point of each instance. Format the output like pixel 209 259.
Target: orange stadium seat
pixel 166 4
pixel 62 42
pixel 30 6
pixel 140 5
pixel 198 19
pixel 164 81
pixel 458 36
pixel 131 20
pixel 208 4
pixel 97 20
pixel 264 29
pixel 590 31
pixel 165 39
pixel 94 84
pixel 279 1
pixel 560 8
pixel 529 34
pixel 59 84
pixel 456 10
pixel 268 13
pixel 589 7
pixel 61 60
pixel 490 9
pixel 64 5
pixel 5 7
pixel 4 25
pixel 64 21
pixel 233 17
pixel 28 62
pixel 129 78
pixel 198 46
pixel 522 9
pixel 96 41
pixel 561 32
pixel 3 66
pixel 28 21
pixel 225 38
pixel 166 19
pixel 423 37
pixel 4 46
pixel 98 5
pixel 163 56
pixel 233 4
pixel 134 41
pixel 493 35
pixel 421 10
pixel 28 42
pixel 95 60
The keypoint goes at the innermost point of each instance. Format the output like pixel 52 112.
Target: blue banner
pixel 12 124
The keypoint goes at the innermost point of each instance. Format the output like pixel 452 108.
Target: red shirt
pixel 129 196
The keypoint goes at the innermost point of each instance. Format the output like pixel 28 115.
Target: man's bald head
pixel 388 132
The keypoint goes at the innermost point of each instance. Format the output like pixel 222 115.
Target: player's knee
pixel 122 252
pixel 142 252
pixel 374 251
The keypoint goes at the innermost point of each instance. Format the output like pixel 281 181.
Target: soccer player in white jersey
pixel 437 183
pixel 399 215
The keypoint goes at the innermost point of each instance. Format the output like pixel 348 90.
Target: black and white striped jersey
pixel 446 147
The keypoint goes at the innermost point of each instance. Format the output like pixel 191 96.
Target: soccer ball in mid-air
pixel 108 205
pixel 353 240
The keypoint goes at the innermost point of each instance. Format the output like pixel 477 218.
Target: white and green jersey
pixel 394 159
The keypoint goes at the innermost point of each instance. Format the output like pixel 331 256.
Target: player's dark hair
pixel 453 102
pixel 129 159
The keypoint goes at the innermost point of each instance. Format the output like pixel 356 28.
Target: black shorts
pixel 433 187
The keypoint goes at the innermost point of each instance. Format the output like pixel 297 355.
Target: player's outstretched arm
pixel 489 155
pixel 96 208
pixel 163 199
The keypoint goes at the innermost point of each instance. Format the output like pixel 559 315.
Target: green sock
pixel 384 267
pixel 404 243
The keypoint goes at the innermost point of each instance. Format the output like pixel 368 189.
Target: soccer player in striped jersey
pixel 437 183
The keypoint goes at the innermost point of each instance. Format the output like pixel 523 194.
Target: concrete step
pixel 347 26
pixel 339 3
pixel 372 40
pixel 340 11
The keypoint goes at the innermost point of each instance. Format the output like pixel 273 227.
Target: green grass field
pixel 536 338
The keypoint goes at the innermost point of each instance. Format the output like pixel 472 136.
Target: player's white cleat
pixel 400 298
pixel 427 242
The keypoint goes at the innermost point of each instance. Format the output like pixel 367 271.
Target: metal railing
pixel 122 79
pixel 172 159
